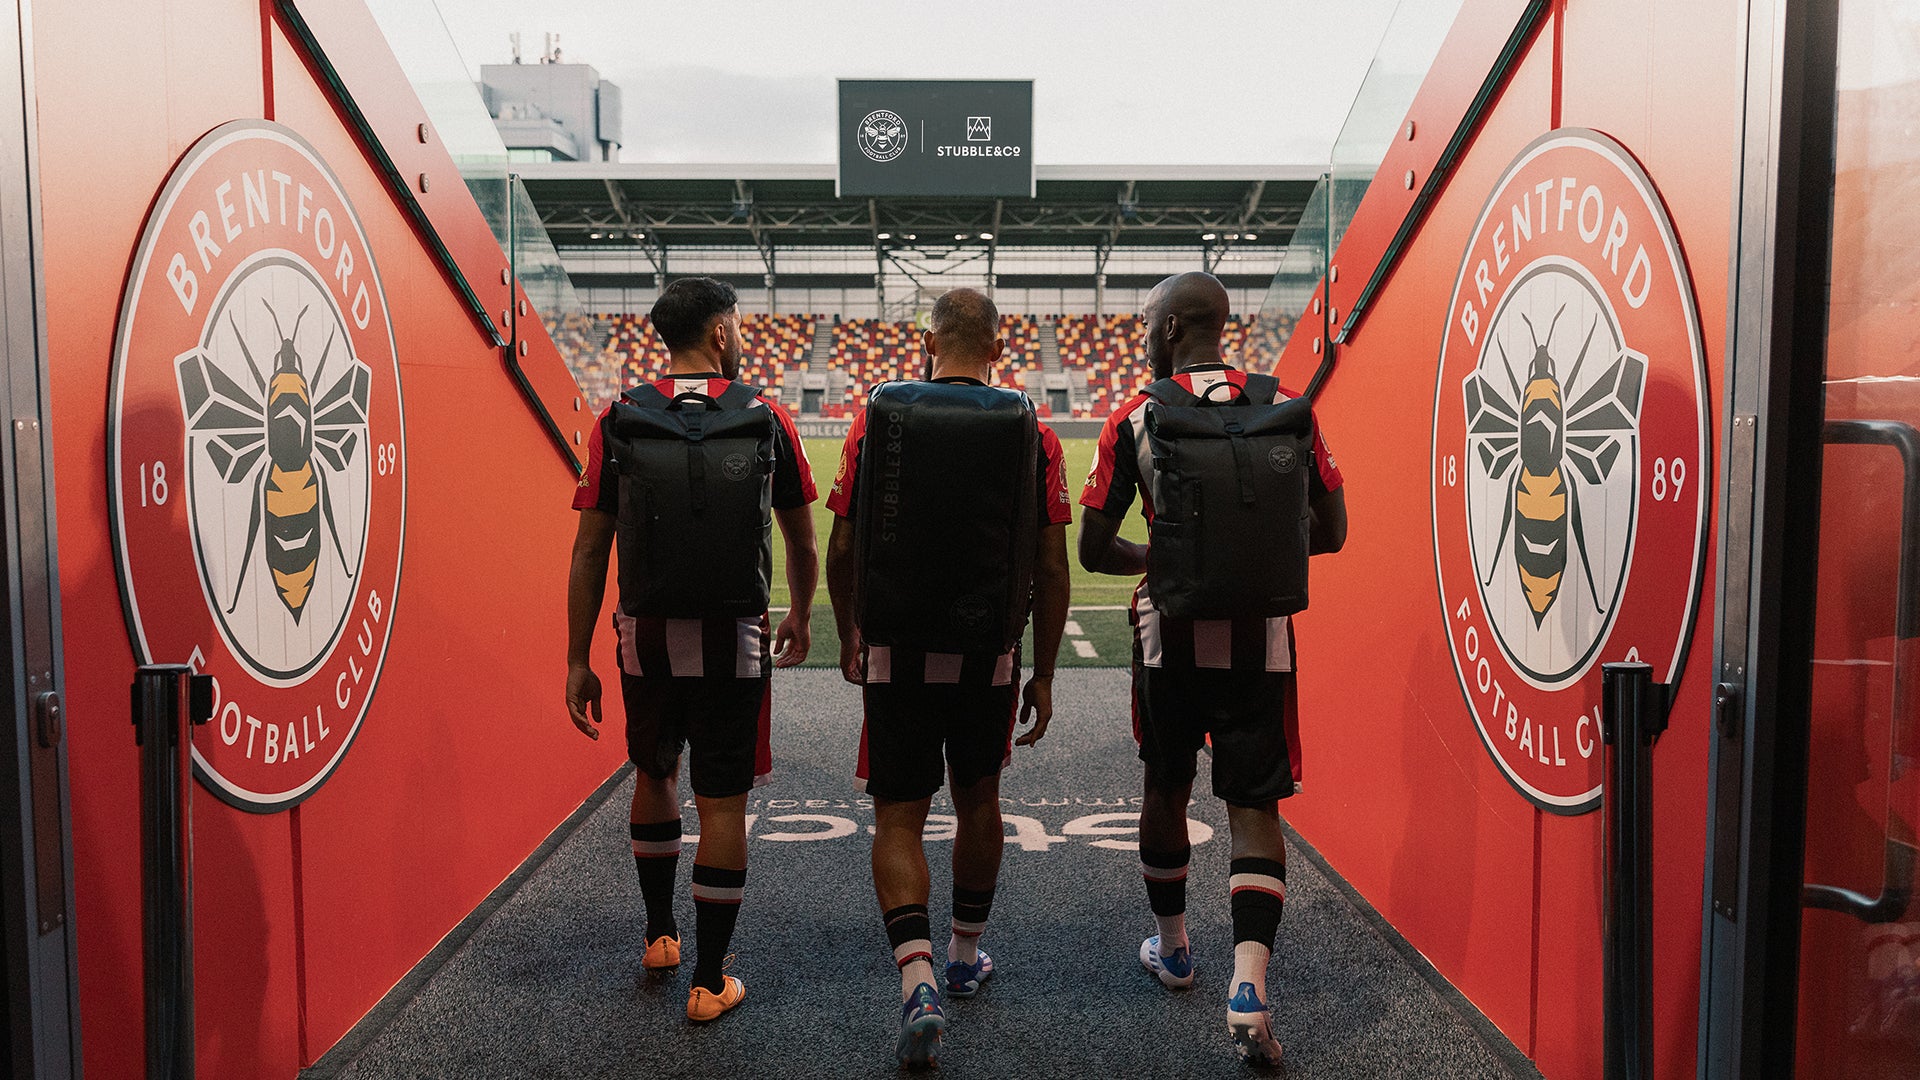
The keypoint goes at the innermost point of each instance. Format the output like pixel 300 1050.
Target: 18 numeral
pixel 153 483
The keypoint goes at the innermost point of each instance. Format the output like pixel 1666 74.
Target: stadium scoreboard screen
pixel 922 137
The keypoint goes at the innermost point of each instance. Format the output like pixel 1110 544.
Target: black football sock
pixel 1259 895
pixel 656 858
pixel 716 907
pixel 1166 876
pixel 910 933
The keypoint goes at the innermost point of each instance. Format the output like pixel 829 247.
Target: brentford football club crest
pixel 882 135
pixel 258 458
pixel 1570 468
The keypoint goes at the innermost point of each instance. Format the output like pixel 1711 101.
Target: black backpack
pixel 1229 486
pixel 947 517
pixel 696 502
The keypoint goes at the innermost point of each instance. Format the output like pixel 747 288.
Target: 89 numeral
pixel 1669 476
pixel 386 458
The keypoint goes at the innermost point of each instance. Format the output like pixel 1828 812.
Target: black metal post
pixel 167 700
pixel 1633 714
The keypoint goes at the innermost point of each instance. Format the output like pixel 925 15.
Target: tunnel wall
pixel 1401 794
pixel 464 760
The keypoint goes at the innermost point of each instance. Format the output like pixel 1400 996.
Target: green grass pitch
pixel 1100 600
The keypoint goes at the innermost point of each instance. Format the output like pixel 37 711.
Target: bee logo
pixel 1544 450
pixel 257 457
pixel 1569 459
pixel 269 441
pixel 882 135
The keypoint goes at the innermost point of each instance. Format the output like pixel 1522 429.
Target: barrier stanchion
pixel 1633 714
pixel 168 699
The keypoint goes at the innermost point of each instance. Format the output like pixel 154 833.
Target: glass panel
pixel 1406 53
pixel 581 338
pixel 1407 50
pixel 1860 935
pixel 419 38
pixel 1302 266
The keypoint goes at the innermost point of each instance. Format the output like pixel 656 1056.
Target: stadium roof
pixel 767 207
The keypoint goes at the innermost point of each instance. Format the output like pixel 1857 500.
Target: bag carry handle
pixel 1207 397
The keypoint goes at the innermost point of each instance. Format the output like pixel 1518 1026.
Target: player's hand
pixel 792 639
pixel 1036 708
pixel 853 664
pixel 583 697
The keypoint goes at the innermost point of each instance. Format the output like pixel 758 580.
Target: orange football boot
pixel 704 1005
pixel 662 952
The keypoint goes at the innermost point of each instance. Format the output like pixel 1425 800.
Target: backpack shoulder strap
pixel 1170 392
pixel 738 395
pixel 646 396
pixel 1261 389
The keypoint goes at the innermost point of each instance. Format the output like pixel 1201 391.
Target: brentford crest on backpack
pixel 258 457
pixel 1569 457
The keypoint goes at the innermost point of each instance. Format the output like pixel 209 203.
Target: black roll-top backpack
pixel 946 517
pixel 1229 485
pixel 696 502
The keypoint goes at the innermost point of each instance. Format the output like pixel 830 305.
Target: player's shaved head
pixel 1185 315
pixel 1198 300
pixel 965 323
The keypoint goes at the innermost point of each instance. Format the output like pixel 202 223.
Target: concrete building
pixel 552 110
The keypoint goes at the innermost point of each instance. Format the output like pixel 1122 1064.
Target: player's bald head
pixel 965 323
pixel 1186 314
pixel 1197 299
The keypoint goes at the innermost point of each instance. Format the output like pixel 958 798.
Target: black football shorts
pixel 1249 715
pixel 722 721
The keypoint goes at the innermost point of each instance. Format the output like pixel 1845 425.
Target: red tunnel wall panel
pixel 468 760
pixel 1401 795
pixel 124 88
pixel 465 760
pixel 1664 79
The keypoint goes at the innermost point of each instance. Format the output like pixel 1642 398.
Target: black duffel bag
pixel 947 517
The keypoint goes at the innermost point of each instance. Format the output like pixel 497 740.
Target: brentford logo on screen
pixel 882 135
pixel 258 458
pixel 1569 457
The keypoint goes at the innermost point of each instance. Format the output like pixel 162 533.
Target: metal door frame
pixel 37 955
pixel 1769 530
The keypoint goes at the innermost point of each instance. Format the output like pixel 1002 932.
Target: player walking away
pixel 1230 678
pixel 952 508
pixel 688 472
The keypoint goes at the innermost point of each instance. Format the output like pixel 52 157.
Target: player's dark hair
pixel 967 320
pixel 687 307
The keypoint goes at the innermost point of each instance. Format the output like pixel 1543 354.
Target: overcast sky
pixel 1184 82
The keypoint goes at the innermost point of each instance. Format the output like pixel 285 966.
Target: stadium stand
pixel 1022 333
pixel 873 351
pixel 1105 348
pixel 634 351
